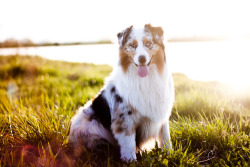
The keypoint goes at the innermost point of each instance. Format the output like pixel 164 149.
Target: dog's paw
pixel 128 157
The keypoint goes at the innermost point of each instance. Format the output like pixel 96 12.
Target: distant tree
pixel 26 42
pixel 11 43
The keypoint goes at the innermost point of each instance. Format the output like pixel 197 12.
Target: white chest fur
pixel 150 95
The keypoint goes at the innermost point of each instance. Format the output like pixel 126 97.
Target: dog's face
pixel 142 48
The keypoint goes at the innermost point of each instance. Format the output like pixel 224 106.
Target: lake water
pixel 226 61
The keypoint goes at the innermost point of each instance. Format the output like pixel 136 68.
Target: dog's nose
pixel 142 59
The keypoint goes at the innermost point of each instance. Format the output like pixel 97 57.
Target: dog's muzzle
pixel 142 68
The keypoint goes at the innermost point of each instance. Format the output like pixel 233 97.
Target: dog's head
pixel 142 48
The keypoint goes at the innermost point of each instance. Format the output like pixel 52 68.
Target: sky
pixel 94 20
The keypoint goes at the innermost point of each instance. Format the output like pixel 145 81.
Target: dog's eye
pixel 133 45
pixel 148 44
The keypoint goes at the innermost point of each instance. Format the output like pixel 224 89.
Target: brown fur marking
pixel 126 58
pixel 159 59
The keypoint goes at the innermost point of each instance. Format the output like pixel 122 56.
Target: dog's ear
pixel 124 35
pixel 157 33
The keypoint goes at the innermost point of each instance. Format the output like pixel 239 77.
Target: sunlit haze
pixel 84 21
pixel 93 20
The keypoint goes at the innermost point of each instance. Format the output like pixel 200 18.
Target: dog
pixel 135 104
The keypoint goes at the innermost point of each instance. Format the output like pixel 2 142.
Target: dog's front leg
pixel 123 127
pixel 127 146
pixel 165 141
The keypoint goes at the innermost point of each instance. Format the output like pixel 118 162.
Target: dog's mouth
pixel 143 69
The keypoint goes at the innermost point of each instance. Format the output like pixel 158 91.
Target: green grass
pixel 210 122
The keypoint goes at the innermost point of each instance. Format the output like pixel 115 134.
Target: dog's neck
pixel 130 80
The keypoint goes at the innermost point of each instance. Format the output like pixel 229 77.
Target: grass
pixel 210 122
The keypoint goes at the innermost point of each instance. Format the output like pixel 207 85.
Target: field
pixel 210 122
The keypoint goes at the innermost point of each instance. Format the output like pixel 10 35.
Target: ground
pixel 210 121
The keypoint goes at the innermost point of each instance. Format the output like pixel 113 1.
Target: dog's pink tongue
pixel 142 71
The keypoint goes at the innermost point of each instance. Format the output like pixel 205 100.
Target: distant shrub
pixel 18 70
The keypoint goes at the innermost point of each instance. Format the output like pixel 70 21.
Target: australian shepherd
pixel 135 104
